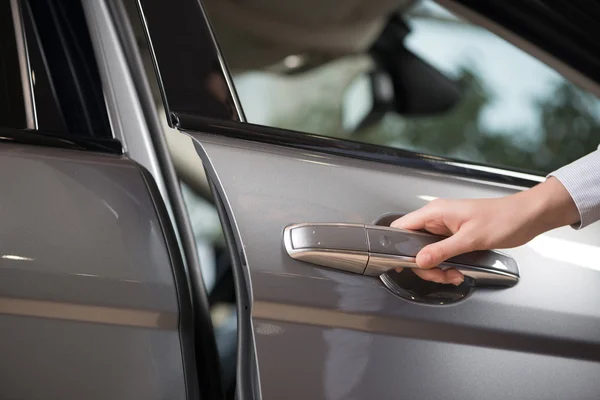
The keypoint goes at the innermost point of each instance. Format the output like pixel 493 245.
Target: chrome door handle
pixel 373 250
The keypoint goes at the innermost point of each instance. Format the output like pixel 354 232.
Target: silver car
pixel 195 198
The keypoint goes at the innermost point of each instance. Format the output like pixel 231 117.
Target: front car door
pixel 313 332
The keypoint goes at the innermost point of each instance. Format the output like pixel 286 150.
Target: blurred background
pixel 513 111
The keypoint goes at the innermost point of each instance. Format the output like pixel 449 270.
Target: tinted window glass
pixel 65 44
pixel 12 103
pixel 49 80
pixel 513 110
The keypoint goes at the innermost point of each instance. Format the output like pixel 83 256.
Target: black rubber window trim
pixel 50 139
pixel 246 373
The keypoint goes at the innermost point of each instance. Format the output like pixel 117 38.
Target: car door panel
pixel 88 295
pixel 327 334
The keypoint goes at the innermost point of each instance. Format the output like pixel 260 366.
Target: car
pixel 196 198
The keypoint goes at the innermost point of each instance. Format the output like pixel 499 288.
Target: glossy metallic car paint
pixel 129 125
pixel 326 334
pixel 88 302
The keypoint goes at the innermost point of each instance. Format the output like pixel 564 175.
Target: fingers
pixel 415 220
pixel 434 254
pixel 434 275
pixel 430 218
pixel 454 276
pixel 451 276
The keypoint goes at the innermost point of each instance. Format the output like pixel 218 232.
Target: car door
pixel 308 331
pixel 95 300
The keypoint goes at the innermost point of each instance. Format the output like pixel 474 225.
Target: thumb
pixel 434 254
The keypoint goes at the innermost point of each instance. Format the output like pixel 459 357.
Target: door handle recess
pixel 374 250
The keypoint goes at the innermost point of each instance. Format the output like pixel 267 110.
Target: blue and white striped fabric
pixel 581 178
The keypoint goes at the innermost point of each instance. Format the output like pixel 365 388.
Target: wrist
pixel 550 205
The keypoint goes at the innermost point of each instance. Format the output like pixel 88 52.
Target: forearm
pixel 570 196
pixel 548 205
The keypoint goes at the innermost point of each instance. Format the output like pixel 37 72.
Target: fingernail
pixel 457 281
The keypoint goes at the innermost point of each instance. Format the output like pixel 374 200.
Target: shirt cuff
pixel 581 178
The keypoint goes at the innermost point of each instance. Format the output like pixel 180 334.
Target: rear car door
pixel 313 332
pixel 95 302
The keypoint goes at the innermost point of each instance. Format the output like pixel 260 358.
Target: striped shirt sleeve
pixel 581 178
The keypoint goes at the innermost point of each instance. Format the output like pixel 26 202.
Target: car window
pixel 48 76
pixel 513 110
pixel 27 94
pixel 12 103
pixel 48 113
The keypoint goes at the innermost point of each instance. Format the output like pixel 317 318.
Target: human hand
pixel 483 224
